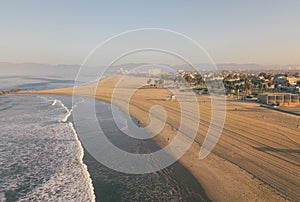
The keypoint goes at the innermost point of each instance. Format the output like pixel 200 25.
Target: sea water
pixel 41 158
pixel 40 154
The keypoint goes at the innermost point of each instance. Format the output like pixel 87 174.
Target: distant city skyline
pixel 64 32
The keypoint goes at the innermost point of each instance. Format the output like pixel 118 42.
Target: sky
pixel 65 32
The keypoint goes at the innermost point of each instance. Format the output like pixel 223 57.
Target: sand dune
pixel 256 159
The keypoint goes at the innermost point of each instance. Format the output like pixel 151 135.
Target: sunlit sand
pixel 256 158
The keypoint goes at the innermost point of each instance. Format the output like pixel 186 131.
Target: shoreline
pixel 219 174
pixel 86 174
pixel 49 147
pixel 181 176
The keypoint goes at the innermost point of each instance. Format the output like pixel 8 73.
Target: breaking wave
pixel 40 153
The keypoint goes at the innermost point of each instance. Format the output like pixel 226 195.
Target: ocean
pixel 40 155
pixel 42 158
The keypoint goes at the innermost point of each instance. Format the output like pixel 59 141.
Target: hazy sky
pixel 55 32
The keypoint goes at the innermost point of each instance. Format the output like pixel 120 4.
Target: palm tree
pixel 198 80
pixel 188 78
pixel 149 81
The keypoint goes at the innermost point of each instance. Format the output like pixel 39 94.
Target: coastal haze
pixel 258 144
pixel 107 101
pixel 258 140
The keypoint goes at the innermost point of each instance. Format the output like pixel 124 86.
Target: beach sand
pixel 256 159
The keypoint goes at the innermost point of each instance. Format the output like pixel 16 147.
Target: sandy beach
pixel 256 159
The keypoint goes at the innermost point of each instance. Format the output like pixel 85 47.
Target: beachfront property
pixel 292 80
pixel 154 71
pixel 279 98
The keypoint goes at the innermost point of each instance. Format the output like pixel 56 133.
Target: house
pixel 280 79
pixel 292 80
pixel 279 98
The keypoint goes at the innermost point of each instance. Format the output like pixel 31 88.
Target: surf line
pixel 86 174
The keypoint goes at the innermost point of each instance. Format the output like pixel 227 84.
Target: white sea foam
pixel 54 102
pixel 40 154
pixel 69 111
pixel 2 197
pixel 84 167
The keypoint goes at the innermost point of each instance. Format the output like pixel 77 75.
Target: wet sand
pixel 174 183
pixel 256 159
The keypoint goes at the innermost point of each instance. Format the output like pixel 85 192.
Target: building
pixel 293 80
pixel 155 71
pixel 280 79
pixel 280 99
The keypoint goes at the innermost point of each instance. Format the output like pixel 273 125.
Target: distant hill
pixel 227 66
pixel 243 67
pixel 35 69
pixel 70 71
